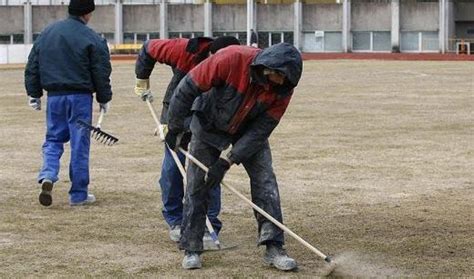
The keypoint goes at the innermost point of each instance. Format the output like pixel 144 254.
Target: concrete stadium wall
pixel 229 18
pixel 12 54
pixel 326 17
pixel 419 16
pixel 45 15
pixel 103 19
pixel 367 16
pixel 187 17
pixel 141 18
pixel 275 17
pixel 11 20
pixel 464 11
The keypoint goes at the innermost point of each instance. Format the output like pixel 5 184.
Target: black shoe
pixel 275 255
pixel 45 197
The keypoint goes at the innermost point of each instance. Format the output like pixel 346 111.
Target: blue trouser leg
pixel 172 192
pixel 57 133
pixel 79 108
pixel 171 184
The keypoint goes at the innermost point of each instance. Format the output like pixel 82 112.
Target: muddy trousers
pixel 264 191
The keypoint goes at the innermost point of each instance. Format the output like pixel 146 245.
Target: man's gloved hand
pixel 172 139
pixel 104 106
pixel 216 172
pixel 142 89
pixel 35 103
pixel 185 139
pixel 161 130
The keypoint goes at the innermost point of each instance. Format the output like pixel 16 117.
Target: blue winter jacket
pixel 69 58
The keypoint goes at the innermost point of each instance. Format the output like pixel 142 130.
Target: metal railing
pixel 461 45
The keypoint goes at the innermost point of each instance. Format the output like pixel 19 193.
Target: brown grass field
pixel 375 163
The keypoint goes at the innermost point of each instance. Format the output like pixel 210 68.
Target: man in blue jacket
pixel 71 62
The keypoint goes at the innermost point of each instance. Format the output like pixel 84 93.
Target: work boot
pixel 175 233
pixel 45 197
pixel 275 255
pixel 90 200
pixel 191 260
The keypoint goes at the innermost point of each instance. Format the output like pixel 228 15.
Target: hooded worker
pixel 237 97
pixel 181 55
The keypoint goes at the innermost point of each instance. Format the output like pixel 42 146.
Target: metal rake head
pixel 98 134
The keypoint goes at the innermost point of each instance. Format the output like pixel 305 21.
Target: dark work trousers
pixel 264 191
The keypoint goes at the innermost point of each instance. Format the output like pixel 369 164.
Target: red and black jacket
pixel 181 54
pixel 239 105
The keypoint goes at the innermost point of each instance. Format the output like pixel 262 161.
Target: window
pixel 429 41
pixel 110 37
pixel 155 35
pixel 18 38
pixel 361 41
pixel 288 37
pixel 382 41
pixel 333 41
pixel 128 38
pixel 263 39
pixel 420 41
pixel 275 38
pixel 5 39
pixel 321 41
pixel 409 41
pixel 141 38
pixel 173 35
pixel 242 36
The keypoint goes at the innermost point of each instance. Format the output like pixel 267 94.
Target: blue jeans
pixel 172 193
pixel 62 113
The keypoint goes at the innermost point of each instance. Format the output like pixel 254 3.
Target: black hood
pixel 281 57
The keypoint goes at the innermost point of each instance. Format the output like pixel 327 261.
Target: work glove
pixel 216 173
pixel 172 139
pixel 142 89
pixel 176 139
pixel 104 106
pixel 162 129
pixel 35 103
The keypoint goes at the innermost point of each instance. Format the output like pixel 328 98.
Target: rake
pixel 96 132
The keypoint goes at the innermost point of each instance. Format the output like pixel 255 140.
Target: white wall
pixel 14 54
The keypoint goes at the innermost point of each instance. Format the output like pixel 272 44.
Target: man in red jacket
pixel 237 97
pixel 181 55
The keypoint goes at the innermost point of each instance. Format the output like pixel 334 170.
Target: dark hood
pixel 282 57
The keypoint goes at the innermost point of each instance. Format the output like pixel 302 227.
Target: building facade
pixel 311 25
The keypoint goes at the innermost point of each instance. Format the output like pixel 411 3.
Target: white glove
pixel 161 130
pixel 35 103
pixel 104 106
pixel 142 89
